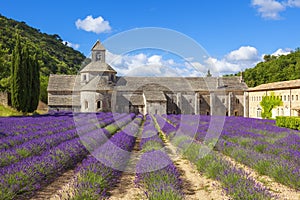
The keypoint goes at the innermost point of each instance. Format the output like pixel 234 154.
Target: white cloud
pixel 69 44
pixel 96 25
pixel 149 65
pixel 293 3
pixel 281 52
pixel 269 9
pixel 156 65
pixel 244 53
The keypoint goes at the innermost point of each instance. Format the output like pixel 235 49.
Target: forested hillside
pixel 273 69
pixel 54 56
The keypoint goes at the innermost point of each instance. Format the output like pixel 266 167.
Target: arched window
pixel 86 104
pixel 98 57
pixel 258 112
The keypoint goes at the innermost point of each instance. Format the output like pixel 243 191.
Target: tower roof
pixel 98 46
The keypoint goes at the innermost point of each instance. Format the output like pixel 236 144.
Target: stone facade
pixel 97 88
pixel 287 91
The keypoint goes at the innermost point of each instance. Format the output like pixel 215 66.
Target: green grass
pixel 7 111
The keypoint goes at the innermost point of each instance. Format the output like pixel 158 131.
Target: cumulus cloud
pixel 244 53
pixel 270 9
pixel 280 52
pixel 293 3
pixel 156 65
pixel 73 45
pixel 90 24
pixel 149 65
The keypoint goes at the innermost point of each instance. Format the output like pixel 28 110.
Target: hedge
pixel 288 122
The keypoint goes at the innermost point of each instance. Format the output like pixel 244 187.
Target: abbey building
pixel 98 88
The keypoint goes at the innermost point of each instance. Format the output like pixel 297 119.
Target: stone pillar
pixel 246 104
pixel 212 103
pixel 179 101
pixel 229 103
pixel 196 108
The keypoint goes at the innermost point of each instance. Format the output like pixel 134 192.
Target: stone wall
pixel 4 98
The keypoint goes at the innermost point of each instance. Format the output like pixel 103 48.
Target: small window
pixel 191 100
pixel 284 98
pixel 223 100
pixel 84 77
pixel 288 97
pixel 237 101
pixel 86 104
pixel 236 113
pixel 258 112
pixel 98 57
pixel 281 97
pixel 292 97
pixel 98 104
pixel 296 97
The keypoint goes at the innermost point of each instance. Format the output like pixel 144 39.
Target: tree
pixel 35 84
pixel 268 103
pixel 25 83
pixel 208 74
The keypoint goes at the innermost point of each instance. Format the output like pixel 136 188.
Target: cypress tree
pixel 35 84
pixel 25 79
pixel 15 78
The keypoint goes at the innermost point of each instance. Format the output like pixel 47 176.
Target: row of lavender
pixel 156 173
pixel 235 181
pixel 27 173
pixel 259 144
pixel 101 170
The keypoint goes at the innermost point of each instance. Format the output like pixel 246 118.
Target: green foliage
pixel 288 122
pixel 54 56
pixel 25 80
pixel 274 69
pixel 268 103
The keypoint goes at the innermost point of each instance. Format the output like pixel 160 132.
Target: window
pixel 223 100
pixel 84 77
pixel 296 97
pixel 237 101
pixel 284 98
pixel 288 97
pixel 98 57
pixel 201 101
pixel 281 97
pixel 99 104
pixel 86 104
pixel 236 113
pixel 292 97
pixel 258 112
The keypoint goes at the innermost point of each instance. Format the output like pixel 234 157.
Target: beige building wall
pixel 290 98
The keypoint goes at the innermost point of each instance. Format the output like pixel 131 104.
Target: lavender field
pixel 127 156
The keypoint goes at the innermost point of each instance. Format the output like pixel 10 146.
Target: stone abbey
pixel 98 88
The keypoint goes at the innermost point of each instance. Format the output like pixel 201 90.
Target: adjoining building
pixel 97 88
pixel 287 91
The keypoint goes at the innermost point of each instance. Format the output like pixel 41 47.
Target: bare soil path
pixel 126 189
pixel 283 192
pixel 195 185
pixel 60 189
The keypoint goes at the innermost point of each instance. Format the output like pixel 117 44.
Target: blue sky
pixel 236 34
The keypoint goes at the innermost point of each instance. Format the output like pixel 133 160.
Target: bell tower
pixel 98 52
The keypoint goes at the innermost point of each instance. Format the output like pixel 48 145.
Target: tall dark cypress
pixel 15 74
pixel 35 84
pixel 25 79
